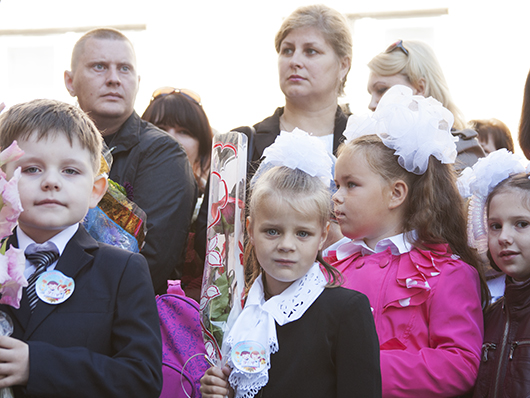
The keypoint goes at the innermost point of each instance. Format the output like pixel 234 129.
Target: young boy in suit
pixel 103 340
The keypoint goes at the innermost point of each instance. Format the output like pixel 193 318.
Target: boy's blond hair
pixel 49 118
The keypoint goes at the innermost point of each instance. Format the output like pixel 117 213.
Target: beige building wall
pixel 224 50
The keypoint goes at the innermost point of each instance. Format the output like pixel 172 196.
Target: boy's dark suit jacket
pixel 103 341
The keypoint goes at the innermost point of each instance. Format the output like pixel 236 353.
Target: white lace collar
pixel 255 329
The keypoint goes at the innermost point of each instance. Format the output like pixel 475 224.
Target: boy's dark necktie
pixel 41 256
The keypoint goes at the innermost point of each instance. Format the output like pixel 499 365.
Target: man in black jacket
pixel 104 79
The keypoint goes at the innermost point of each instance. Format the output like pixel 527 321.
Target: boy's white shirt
pixel 60 240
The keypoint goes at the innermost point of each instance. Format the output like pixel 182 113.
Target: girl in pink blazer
pixel 397 200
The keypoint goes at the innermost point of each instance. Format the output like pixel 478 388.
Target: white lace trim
pixel 478 182
pixel 257 322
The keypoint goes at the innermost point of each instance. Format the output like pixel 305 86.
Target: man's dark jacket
pixel 157 168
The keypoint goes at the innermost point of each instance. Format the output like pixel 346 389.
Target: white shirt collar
pixel 60 240
pixel 334 246
pixel 398 244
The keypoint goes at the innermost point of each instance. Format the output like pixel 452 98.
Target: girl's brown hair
pixel 519 181
pixel 302 193
pixel 434 209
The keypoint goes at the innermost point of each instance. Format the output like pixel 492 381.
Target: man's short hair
pixel 49 118
pixel 97 33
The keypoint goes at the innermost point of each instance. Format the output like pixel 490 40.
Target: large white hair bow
pixel 477 182
pixel 298 150
pixel 414 126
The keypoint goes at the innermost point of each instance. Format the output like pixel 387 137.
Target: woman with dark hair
pixel 180 113
pixel 492 134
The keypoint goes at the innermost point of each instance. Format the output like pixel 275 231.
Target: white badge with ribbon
pixel 54 287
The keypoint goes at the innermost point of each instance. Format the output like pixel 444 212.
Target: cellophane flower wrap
pixel 12 260
pixel 116 220
pixel 414 126
pixel 477 182
pixel 223 279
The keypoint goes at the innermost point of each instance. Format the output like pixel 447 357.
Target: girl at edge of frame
pixel 330 333
pixel 500 225
pixel 409 252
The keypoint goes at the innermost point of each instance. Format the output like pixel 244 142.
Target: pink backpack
pixel 181 339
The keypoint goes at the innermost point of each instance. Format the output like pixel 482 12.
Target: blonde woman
pixel 414 64
pixel 314 46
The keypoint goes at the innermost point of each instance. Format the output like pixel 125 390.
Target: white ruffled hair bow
pixel 298 150
pixel 478 181
pixel 414 126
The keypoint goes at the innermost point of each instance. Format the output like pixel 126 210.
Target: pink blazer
pixel 428 316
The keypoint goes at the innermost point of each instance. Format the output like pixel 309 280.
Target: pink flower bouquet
pixel 12 260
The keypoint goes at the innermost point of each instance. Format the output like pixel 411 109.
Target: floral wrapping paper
pixel 223 279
